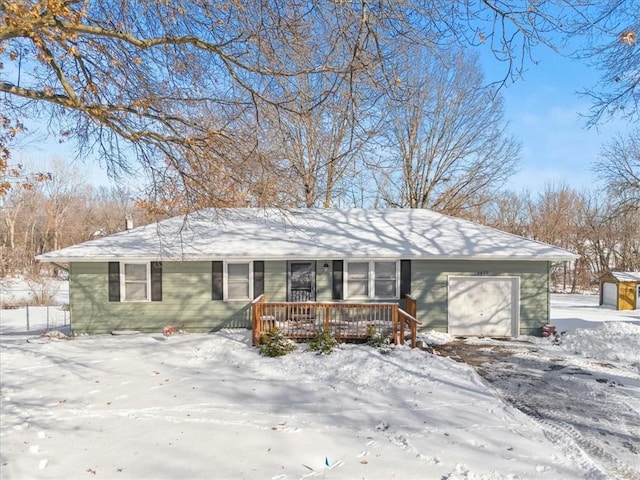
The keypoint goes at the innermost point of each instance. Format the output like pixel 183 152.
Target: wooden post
pixel 395 324
pixel 414 327
pixel 257 311
pixel 254 323
pixel 401 329
pixel 326 317
pixel 410 305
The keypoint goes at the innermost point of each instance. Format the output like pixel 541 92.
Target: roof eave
pixel 191 258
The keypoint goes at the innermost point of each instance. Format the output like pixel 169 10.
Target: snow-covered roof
pixel 627 276
pixel 263 234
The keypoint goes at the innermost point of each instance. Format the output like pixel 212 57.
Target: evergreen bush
pixel 274 344
pixel 323 343
pixel 378 340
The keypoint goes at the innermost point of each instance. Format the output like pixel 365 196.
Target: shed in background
pixel 620 290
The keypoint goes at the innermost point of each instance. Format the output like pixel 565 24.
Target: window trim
pixel 346 280
pixel 371 280
pixel 225 281
pixel 123 282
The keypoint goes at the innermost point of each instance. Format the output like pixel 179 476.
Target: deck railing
pixel 408 317
pixel 345 321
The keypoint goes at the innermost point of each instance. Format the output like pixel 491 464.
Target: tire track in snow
pixel 558 425
pixel 568 438
pixel 582 405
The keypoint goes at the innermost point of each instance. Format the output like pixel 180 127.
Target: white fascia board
pixel 111 258
pixel 188 258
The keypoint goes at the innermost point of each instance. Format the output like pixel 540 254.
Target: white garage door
pixel 484 306
pixel 610 294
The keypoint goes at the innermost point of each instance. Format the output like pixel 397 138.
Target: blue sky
pixel 543 109
pixel 38 150
pixel 547 115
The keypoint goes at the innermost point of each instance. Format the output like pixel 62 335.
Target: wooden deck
pixel 345 321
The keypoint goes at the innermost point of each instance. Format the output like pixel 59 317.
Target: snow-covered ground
pixel 18 290
pixel 569 312
pixel 33 319
pixel 585 387
pixel 209 406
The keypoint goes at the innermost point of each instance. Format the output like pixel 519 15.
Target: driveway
pixel 591 404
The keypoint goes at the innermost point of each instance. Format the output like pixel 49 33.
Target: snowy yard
pixel 208 406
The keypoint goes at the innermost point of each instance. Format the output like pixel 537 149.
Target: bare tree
pixel 587 222
pixel 53 214
pixel 577 221
pixel 611 47
pixel 446 135
pixel 619 168
pixel 132 79
pixel 508 211
pixel 611 240
pixel 106 212
pixel 318 148
pixel 240 169
pixel 127 77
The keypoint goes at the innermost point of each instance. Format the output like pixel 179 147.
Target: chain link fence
pixel 22 312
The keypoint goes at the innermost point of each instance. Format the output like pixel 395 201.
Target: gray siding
pixel 275 281
pixel 429 286
pixel 186 302
pixel 323 281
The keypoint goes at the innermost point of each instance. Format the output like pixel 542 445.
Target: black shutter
pixel 114 281
pixel 216 281
pixel 336 288
pixel 156 281
pixel 258 278
pixel 405 278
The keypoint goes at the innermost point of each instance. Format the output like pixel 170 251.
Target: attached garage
pixel 465 278
pixel 620 290
pixel 488 306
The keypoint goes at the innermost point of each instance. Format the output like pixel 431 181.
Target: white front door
pixel 484 306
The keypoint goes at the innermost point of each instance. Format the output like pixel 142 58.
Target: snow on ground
pixel 583 385
pixel 569 312
pixel 18 290
pixel 576 390
pixel 209 406
pixel 34 319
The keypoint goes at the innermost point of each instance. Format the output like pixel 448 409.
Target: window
pixel 358 279
pixel 135 284
pixel 385 279
pixel 238 285
pixel 372 279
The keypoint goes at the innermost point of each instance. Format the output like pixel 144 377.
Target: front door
pixel 302 282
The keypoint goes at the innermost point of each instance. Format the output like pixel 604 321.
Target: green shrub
pixel 323 343
pixel 274 344
pixel 378 340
